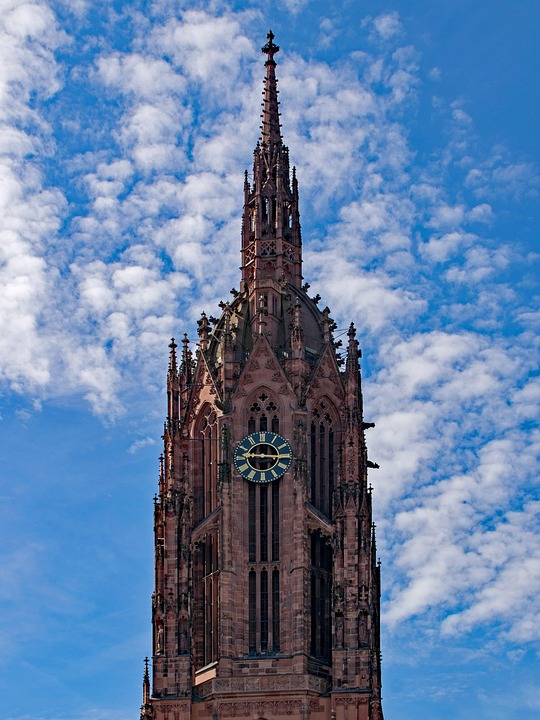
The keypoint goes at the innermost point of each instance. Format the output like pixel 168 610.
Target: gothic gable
pixel 326 378
pixel 262 367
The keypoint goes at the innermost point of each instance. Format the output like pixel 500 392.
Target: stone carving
pixel 160 638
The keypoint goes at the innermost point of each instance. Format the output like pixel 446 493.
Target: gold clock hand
pixel 259 455
pixel 266 455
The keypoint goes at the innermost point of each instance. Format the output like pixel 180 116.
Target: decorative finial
pixel 146 690
pixel 270 48
pixel 172 357
pixel 187 360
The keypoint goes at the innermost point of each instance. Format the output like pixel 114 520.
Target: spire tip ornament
pixel 270 48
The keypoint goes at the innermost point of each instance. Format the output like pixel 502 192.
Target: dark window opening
pixel 320 587
pixel 322 459
pixel 263 523
pixel 275 610
pixel 275 521
pixel 252 524
pixel 264 610
pixel 252 591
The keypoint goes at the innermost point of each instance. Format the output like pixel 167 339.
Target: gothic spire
pixel 271 237
pixel 270 128
pixel 187 360
pixel 173 367
pixel 146 683
pixel 353 351
pixel 146 710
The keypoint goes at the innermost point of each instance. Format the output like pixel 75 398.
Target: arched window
pixel 322 455
pixel 263 542
pixel 263 414
pixel 206 449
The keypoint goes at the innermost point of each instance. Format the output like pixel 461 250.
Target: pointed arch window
pixel 263 542
pixel 322 451
pixel 263 414
pixel 206 463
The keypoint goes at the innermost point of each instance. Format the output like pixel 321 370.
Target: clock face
pixel 263 456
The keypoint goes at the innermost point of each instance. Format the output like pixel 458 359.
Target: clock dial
pixel 263 456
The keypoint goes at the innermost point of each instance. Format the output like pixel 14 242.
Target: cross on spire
pixel 270 48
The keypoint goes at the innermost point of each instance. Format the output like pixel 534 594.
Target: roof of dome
pixel 243 335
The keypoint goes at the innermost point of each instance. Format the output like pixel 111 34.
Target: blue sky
pixel 126 128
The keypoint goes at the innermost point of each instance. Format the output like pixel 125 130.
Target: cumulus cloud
pixel 88 301
pixel 446 408
pixel 141 443
pixel 387 25
pixel 30 212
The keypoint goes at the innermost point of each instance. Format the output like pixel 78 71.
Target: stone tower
pixel 267 589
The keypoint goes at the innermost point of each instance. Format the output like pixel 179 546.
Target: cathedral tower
pixel 267 589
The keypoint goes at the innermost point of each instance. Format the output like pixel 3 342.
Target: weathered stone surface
pixel 266 601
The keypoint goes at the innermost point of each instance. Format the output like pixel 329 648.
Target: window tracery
pixel 206 447
pixel 263 542
pixel 263 414
pixel 322 446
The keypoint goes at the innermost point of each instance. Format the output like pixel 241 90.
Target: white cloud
pixel 162 204
pixel 198 43
pixel 481 213
pixel 452 459
pixel 30 213
pixel 387 25
pixel 446 216
pixel 141 443
pixel 145 77
pixel 440 249
pixel 295 6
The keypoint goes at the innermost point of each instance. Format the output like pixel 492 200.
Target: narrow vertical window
pixel 330 471
pixel 252 523
pixel 321 582
pixel 199 501
pixel 209 614
pixel 198 592
pixel 263 523
pixel 275 521
pixel 264 610
pixel 205 460
pixel 314 618
pixel 264 527
pixel 322 469
pixel 252 592
pixel 206 625
pixel 275 610
pixel 207 449
pixel 313 458
pixel 322 458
